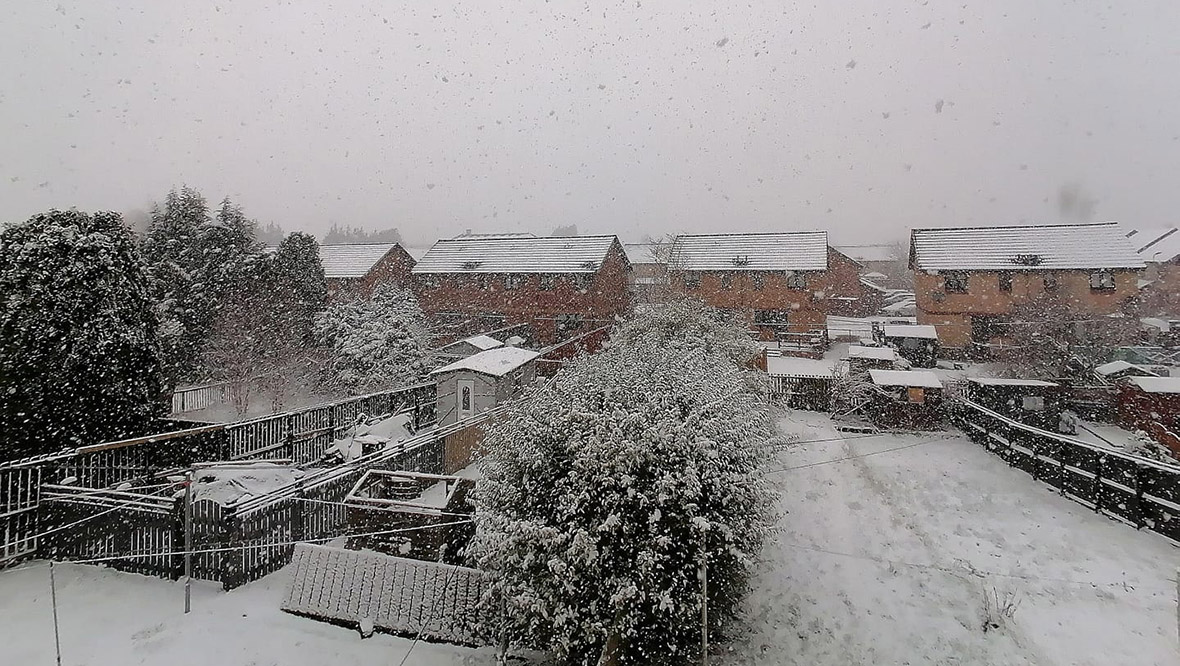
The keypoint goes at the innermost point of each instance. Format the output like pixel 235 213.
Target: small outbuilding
pixel 906 399
pixel 479 382
pixel 1116 370
pixel 383 501
pixel 1152 404
pixel 916 343
pixel 862 359
pixel 469 346
pixel 1031 401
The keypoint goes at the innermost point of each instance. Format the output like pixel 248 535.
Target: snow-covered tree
pixel 346 234
pixel 79 354
pixel 605 487
pixel 173 251
pixel 375 344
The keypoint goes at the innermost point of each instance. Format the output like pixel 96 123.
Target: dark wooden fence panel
pixel 1132 489
pixel 138 536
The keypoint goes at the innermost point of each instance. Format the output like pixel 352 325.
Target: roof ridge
pixel 754 233
pixel 1157 240
pixel 1019 226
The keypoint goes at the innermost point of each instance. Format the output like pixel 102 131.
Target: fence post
pixel 1097 485
pixel 1137 500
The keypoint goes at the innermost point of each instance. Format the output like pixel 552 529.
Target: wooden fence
pixel 196 398
pixel 810 393
pixel 1137 491
pixel 302 436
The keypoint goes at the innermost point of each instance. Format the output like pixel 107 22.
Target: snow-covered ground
pixel 885 558
pixel 110 618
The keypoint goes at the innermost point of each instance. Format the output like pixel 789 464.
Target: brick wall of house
pixel 450 299
pixel 1162 296
pixel 952 313
pixel 807 308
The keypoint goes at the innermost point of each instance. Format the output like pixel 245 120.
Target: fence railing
pixel 302 436
pixel 233 542
pixel 1138 491
pixel 196 398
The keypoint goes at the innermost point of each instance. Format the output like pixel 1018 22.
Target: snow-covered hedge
pixel 602 487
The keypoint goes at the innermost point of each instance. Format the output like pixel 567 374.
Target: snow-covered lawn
pixel 886 558
pixel 119 619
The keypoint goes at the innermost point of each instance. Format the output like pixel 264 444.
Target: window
pixel 582 281
pixel 771 317
pixel 727 281
pixel 916 394
pixel 954 282
pixel 548 282
pixel 466 401
pixel 692 280
pixel 1033 403
pixel 758 281
pixel 1005 282
pixel 514 281
pixel 796 280
pixel 1102 280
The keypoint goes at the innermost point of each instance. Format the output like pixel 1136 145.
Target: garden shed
pixel 385 500
pixel 1030 401
pixel 862 359
pixel 469 346
pixel 906 399
pixel 916 343
pixel 477 383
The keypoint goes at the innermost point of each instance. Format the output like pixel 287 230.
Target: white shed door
pixel 466 399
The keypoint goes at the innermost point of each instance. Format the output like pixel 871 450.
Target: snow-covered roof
pixel 907 305
pixel 416 252
pixel 1003 381
pixel 866 281
pixel 788 251
pixel 876 353
pixel 352 260
pixel 1107 369
pixel 1165 246
pixel 918 378
pixel 496 362
pixel 516 254
pixel 911 331
pixel 1042 247
pixel 793 366
pixel 483 342
pixel 1157 384
pixel 505 234
pixel 863 253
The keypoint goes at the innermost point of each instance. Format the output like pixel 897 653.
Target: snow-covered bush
pixel 603 487
pixel 79 354
pixel 376 344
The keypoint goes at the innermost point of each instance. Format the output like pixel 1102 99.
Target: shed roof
pixel 925 331
pixel 876 353
pixel 787 251
pixel 1170 385
pixel 1107 369
pixel 805 368
pixel 352 260
pixel 1003 381
pixel 1030 247
pixel 917 378
pixel 495 362
pixel 517 254
pixel 483 342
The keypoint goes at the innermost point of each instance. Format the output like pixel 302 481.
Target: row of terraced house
pixel 974 285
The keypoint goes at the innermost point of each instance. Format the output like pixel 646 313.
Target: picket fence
pixel 1137 491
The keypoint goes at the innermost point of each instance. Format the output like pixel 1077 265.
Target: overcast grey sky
pixel 859 116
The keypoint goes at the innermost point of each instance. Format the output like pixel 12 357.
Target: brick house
pixel 1152 404
pixel 354 270
pixel 773 283
pixel 1160 250
pixel 558 287
pixel 979 286
pixel 649 275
